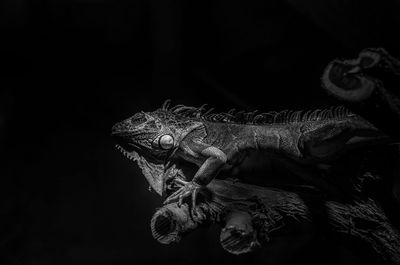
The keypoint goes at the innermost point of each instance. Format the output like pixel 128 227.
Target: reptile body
pixel 213 141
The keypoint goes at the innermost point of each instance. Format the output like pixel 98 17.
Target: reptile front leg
pixel 215 160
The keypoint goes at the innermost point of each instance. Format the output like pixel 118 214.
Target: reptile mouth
pixel 126 152
pixel 127 149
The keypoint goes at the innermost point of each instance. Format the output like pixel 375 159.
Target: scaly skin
pixel 214 140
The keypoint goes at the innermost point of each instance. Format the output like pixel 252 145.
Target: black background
pixel 71 68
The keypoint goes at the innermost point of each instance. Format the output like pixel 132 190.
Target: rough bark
pixel 250 213
pixel 239 236
pixel 369 86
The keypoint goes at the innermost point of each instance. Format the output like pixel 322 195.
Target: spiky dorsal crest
pixel 254 117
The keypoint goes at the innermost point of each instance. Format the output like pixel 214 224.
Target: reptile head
pixel 146 134
pixel 154 136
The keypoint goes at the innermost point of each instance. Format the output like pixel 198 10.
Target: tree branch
pixel 369 86
pixel 250 213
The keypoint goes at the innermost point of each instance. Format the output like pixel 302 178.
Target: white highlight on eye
pixel 166 141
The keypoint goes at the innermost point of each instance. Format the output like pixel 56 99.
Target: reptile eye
pixel 166 141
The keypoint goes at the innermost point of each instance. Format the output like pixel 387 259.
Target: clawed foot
pixel 187 189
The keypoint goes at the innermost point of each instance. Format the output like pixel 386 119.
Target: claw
pixel 172 197
pixel 194 197
pixel 181 181
pixel 187 189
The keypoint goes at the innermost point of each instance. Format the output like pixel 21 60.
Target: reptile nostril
pixel 116 129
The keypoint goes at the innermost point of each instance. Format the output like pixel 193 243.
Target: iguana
pixel 212 140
